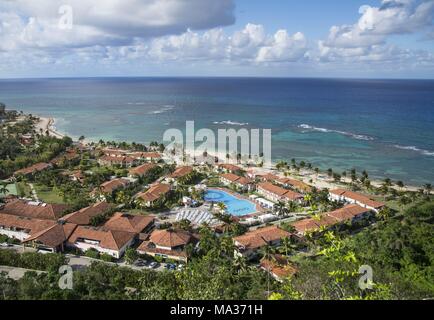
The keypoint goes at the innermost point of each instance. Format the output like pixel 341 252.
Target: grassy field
pixel 23 190
pixel 47 194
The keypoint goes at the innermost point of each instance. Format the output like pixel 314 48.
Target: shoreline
pixel 48 124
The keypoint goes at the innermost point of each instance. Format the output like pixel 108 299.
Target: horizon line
pixel 216 77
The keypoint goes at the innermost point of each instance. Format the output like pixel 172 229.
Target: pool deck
pixel 259 209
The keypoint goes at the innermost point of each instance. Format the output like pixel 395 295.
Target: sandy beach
pixel 47 124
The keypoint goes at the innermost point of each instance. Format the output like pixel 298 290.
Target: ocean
pixel 382 126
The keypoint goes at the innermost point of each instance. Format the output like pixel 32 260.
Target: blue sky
pixel 311 38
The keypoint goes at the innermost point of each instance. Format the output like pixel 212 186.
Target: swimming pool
pixel 235 206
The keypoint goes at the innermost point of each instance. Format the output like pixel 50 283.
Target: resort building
pixel 52 239
pixel 180 173
pixel 142 170
pixel 38 167
pixel 168 244
pixel 268 177
pixel 228 168
pixel 248 244
pixel 154 194
pixel 34 210
pixel 84 216
pixel 241 183
pixel 279 267
pixel 146 156
pixel 20 228
pixel 350 213
pixel 123 161
pixel 276 194
pixel 300 186
pixel 355 198
pixel 130 223
pixel 113 243
pixel 115 153
pixel 108 187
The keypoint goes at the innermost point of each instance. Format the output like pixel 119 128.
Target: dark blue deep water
pixel 383 126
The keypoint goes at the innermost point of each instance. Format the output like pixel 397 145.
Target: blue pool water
pixel 235 206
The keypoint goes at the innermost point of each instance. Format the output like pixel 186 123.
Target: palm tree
pixel 4 188
pixel 428 188
pixel 281 209
pixel 287 246
pixel 385 213
pixel 222 207
pixel 400 185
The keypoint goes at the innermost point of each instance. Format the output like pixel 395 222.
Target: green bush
pixel 106 257
pixel 92 253
pixel 32 260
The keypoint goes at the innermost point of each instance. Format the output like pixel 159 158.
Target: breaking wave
pixel 416 149
pixel 231 123
pixel 345 133
pixel 162 110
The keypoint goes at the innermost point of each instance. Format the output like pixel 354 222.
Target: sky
pixel 273 38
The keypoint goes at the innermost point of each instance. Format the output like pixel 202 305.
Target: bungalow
pixel 123 161
pixel 111 186
pixel 279 267
pixel 32 169
pixel 294 184
pixel 276 194
pixel 181 172
pixel 355 198
pixel 228 168
pixel 141 171
pixel 84 216
pixel 116 153
pixel 113 243
pixel 52 239
pixel 155 193
pixel 168 244
pixel 34 210
pixel 240 182
pixel 269 177
pixel 248 244
pixel 146 156
pixel 349 213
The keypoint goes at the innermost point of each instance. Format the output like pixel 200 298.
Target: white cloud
pixel 367 40
pixel 111 22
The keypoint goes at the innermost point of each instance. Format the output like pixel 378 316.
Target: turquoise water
pixel 235 206
pixel 383 126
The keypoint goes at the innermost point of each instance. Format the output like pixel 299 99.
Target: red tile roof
pixel 142 170
pixel 181 172
pixel 32 226
pixel 84 216
pixel 279 266
pixel 54 235
pixel 108 239
pixel 358 197
pixel 171 238
pixel 34 168
pixel 329 219
pixel 41 211
pixel 280 192
pixel 112 185
pixel 229 167
pixel 155 192
pixel 261 237
pixel 129 223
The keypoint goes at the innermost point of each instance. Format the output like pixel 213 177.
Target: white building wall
pixel 20 235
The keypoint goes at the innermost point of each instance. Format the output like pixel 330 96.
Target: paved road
pixel 17 273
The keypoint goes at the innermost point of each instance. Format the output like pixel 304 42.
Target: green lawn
pixel 12 190
pixel 23 190
pixel 47 194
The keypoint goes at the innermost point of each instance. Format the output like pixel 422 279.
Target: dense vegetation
pixel 399 249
